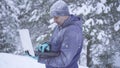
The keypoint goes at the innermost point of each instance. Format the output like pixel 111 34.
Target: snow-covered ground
pixel 17 61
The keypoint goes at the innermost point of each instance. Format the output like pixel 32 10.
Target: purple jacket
pixel 68 40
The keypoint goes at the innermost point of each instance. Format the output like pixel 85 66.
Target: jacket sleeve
pixel 72 41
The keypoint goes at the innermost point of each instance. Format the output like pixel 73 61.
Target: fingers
pixel 42 48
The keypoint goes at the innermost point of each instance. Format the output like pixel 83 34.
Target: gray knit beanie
pixel 59 8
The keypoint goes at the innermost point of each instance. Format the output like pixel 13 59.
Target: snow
pixel 13 6
pixel 99 8
pixel 84 52
pixel 117 59
pixel 52 24
pixel 103 37
pixel 107 42
pixel 99 21
pixel 17 61
pixel 93 32
pixel 15 17
pixel 51 21
pixel 41 37
pixel 118 8
pixel 28 6
pixel 85 10
pixel 21 6
pixel 107 9
pixel 35 16
pixel 96 49
pixel 89 22
pixel 117 26
pixel 0 16
pixel 103 1
pixel 102 8
pixel 100 35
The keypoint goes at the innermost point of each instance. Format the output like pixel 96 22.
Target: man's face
pixel 59 20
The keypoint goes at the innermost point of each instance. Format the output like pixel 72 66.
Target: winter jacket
pixel 67 40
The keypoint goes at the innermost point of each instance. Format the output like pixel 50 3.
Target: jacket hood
pixel 72 20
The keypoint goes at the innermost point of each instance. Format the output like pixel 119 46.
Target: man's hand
pixel 44 47
pixel 28 54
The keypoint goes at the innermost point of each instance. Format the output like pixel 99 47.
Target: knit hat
pixel 59 8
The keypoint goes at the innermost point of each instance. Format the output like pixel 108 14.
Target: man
pixel 64 48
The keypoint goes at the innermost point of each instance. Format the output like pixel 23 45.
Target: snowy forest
pixel 100 23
